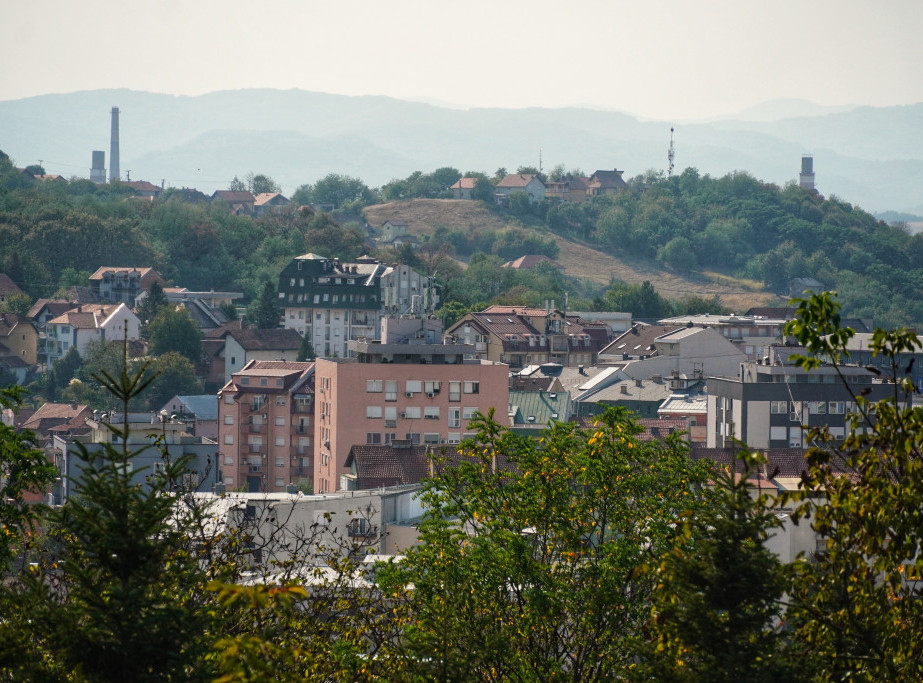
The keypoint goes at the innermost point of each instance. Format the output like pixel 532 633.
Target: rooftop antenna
pixel 670 154
pixel 539 159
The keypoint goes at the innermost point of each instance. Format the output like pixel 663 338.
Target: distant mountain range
pixel 869 156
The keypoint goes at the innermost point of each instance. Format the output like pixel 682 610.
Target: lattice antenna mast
pixel 671 153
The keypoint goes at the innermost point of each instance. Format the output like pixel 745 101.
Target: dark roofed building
pixel 606 182
pixel 7 287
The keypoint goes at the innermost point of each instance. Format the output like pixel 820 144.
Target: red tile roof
pixel 517 180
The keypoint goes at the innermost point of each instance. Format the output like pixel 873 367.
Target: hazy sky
pixel 665 59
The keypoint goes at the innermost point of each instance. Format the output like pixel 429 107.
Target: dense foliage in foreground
pixel 585 555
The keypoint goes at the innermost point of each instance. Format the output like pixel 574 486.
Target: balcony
pixel 254 469
pixel 390 423
pixel 256 428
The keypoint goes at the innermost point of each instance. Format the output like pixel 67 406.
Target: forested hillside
pixel 697 229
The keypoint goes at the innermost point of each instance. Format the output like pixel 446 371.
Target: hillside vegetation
pixel 701 243
pixel 577 260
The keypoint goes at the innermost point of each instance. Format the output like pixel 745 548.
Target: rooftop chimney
pixel 114 173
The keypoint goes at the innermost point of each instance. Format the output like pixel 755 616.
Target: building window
pixel 454 417
pixel 373 411
pixel 391 390
pixel 778 408
pixel 413 438
pixel 836 407
pixel 795 414
pixel 431 412
pixel 228 419
pixel 229 439
pixel 778 433
pixel 280 482
pixel 430 438
pixel 454 437
pixel 469 412
pixel 414 386
pixel 431 388
pixel 373 386
pixel 411 412
pixel 455 391
pixel 817 408
pixel 472 387
pixel 229 399
pixel 373 438
pixel 280 441
pixel 280 420
pixel 280 461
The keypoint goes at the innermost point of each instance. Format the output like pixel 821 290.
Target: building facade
pixel 266 427
pixel 772 406
pixel 399 393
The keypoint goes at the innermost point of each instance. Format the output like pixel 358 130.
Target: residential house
pixel 331 301
pixel 407 240
pixel 18 340
pixel 86 323
pixel 799 286
pixel 391 229
pixel 115 284
pixel 7 287
pixel 461 188
pixel 569 189
pixel 266 426
pixel 199 414
pixel 606 183
pixel 754 334
pixel 530 411
pixel 157 438
pixel 373 524
pixel 520 182
pixel 649 350
pixel 643 397
pixel 771 404
pixel 521 336
pixel 41 313
pixel 144 189
pixel 269 202
pixel 415 393
pixel 243 344
pixel 239 202
pixel 692 409
pixel 204 307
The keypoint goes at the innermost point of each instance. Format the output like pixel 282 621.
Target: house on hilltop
pixel 240 202
pixel 606 182
pixel 529 183
pixel 462 188
pixel 269 202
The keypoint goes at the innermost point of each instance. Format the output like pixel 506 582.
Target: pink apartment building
pixel 404 393
pixel 266 427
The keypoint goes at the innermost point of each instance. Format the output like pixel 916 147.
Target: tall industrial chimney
pixel 114 147
pixel 98 170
